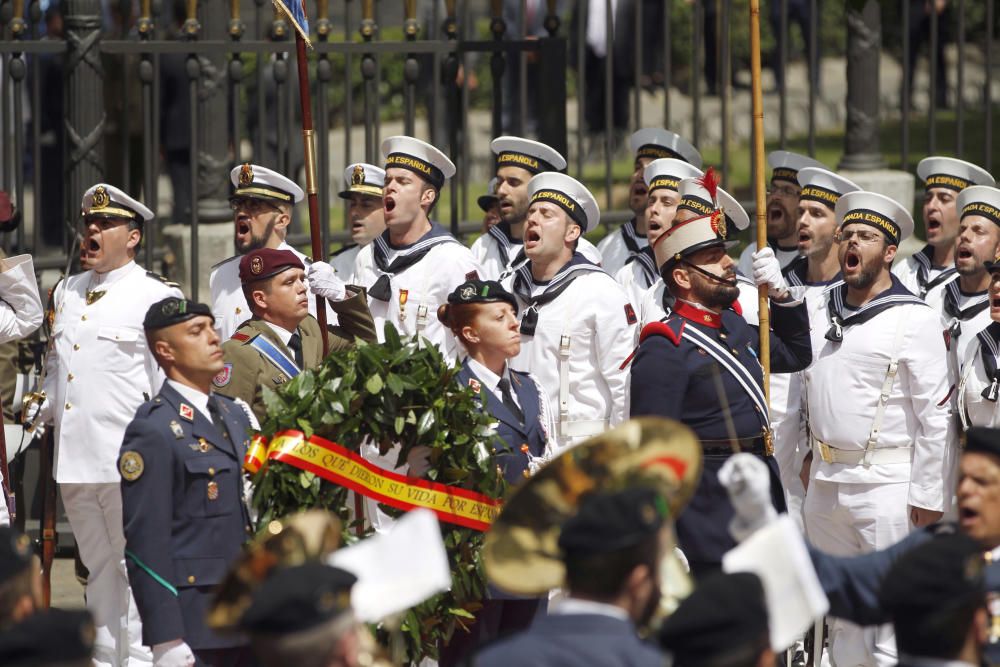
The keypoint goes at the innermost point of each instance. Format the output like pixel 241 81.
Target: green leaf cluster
pixel 404 392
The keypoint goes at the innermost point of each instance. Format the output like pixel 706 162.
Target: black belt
pixel 755 445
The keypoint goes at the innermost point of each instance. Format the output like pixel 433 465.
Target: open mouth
pixel 775 214
pixel 804 236
pixel 654 225
pixel 967 514
pixel 852 260
pixel 242 226
pixel 933 225
pixel 964 253
pixel 639 190
pixel 995 302
pixel 93 245
pixel 531 237
pixel 388 203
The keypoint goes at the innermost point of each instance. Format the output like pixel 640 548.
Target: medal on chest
pixel 213 490
pixel 404 296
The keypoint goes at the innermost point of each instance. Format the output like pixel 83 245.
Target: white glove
pixel 323 282
pixel 38 414
pixel 767 271
pixel 419 460
pixel 748 482
pixel 173 654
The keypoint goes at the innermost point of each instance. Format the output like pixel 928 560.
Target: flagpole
pixel 309 144
pixel 764 314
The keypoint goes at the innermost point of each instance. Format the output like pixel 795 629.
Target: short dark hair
pixel 602 576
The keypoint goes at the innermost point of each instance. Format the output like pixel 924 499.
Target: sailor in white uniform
pixel 878 417
pixel 500 251
pixel 262 203
pixel 99 370
pixel 577 326
pixel 925 273
pixel 782 209
pixel 660 178
pixel 20 305
pixel 979 381
pixel 648 144
pixel 364 213
pixel 411 267
pixel 808 278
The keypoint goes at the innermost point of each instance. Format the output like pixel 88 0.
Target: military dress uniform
pixel 406 284
pixel 185 514
pixel 620 247
pixel 20 305
pixel 577 329
pixel 99 370
pixel 701 368
pixel 497 252
pixel 785 166
pixel 228 303
pixel 917 272
pixel 879 441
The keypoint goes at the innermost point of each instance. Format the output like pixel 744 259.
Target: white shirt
pixel 343 262
pixel 196 398
pixel 283 334
pixel 614 252
pixel 907 272
pixel 745 265
pixel 417 291
pixel 976 410
pixel 20 306
pixel 593 312
pixel 843 386
pixel 632 277
pixel 99 369
pixel 228 303
pixel 491 380
pixel 493 260
pixel 570 606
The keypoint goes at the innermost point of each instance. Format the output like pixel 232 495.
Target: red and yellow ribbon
pixel 336 464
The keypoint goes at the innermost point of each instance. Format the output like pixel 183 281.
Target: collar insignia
pixel 187 412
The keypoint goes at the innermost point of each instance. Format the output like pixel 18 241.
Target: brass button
pixel 69 377
pixel 211 472
pixel 722 336
pixel 68 405
pixel 76 346
pixel 84 317
pixel 191 579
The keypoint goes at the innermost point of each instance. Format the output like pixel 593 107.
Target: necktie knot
pixel 295 345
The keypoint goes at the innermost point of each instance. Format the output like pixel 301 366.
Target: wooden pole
pixel 759 193
pixel 309 142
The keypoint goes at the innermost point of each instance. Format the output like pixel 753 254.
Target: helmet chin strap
pixel 710 276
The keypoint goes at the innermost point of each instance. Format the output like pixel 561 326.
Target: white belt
pixel 582 427
pixel 830 454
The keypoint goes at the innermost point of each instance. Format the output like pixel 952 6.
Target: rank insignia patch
pixel 223 377
pixel 176 429
pixel 187 412
pixel 131 466
pixel 630 314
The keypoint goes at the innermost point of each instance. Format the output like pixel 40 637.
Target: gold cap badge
pixel 358 175
pixel 246 175
pixel 256 266
pixel 100 199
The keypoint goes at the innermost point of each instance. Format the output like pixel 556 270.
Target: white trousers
pixel 95 515
pixel 851 519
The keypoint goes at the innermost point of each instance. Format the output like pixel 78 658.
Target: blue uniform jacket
pixel 674 377
pixel 573 640
pixel 512 432
pixel 184 515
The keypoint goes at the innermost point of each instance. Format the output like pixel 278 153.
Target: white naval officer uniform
pixel 366 180
pixel 497 254
pixel 99 370
pixel 979 385
pixel 20 305
pixel 785 257
pixel 637 276
pixel 918 274
pixel 343 261
pixel 618 246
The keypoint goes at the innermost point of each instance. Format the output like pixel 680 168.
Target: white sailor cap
pixel 981 200
pixel 533 156
pixel 487 200
pixel 716 210
pixel 366 179
pixel 655 142
pixel 419 157
pixel 569 194
pixel 785 165
pixel 252 180
pixel 947 172
pixel 875 210
pixel 108 201
pixel 824 186
pixel 668 172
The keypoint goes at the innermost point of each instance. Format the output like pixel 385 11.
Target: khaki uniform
pixel 247 370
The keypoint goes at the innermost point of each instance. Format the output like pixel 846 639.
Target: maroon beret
pixel 267 262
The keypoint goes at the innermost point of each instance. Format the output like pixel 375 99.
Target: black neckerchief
pixel 836 304
pixel 631 237
pixel 524 285
pixel 501 233
pixel 647 261
pixel 977 303
pixel 405 258
pixel 667 300
pixel 797 270
pixel 989 349
pixel 924 260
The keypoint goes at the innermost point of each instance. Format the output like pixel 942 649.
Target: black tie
pixel 508 399
pixel 295 345
pixel 213 411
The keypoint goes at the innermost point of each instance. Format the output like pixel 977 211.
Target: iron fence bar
pixel 609 93
pixel 497 66
pixel 988 90
pixel 378 82
pixel 454 102
pixel 637 70
pixel 36 133
pixel 6 123
pixel 782 38
pixel 814 71
pixel 194 73
pixel 367 30
pixel 666 63
pixel 410 69
pixel 724 79
pixel 324 74
pixel 522 75
pixel 463 171
pixel 435 103
pixel 581 85
pixel 258 149
pixel 932 93
pixel 960 83
pixel 904 151
pixel 348 89
pixel 697 67
pixel 17 72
